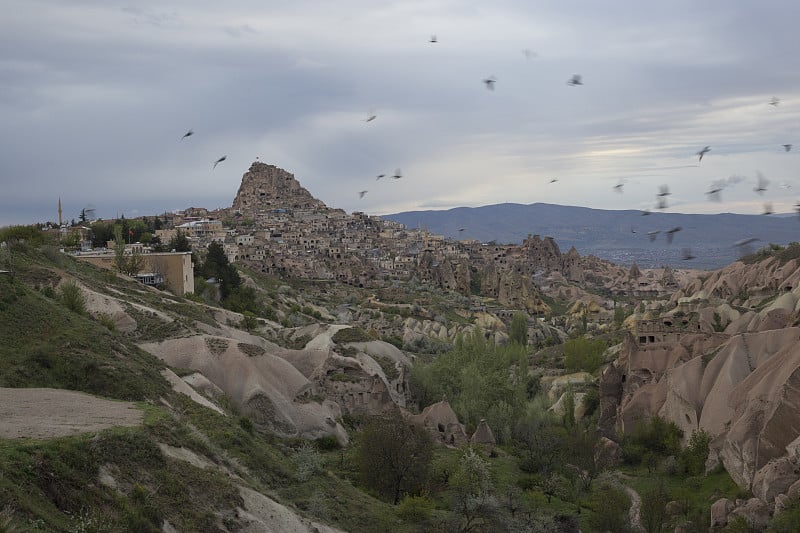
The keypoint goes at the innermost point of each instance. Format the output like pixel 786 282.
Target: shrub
pixel 610 509
pixel 327 443
pixel 415 509
pixel 48 291
pixel 72 297
pixel 307 462
pixel 351 335
pixel 394 340
pixel 246 424
pixel 693 458
pixel 249 321
pixel 107 320
pixel 591 401
pixel 582 354
pixel 652 438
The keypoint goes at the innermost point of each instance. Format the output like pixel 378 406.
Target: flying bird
pixel 715 193
pixel 380 176
pixel 653 234
pixel 746 241
pixel 187 134
pixel 397 174
pixel 775 101
pixel 433 39
pixel 663 192
pixel 372 116
pixel 703 152
pixel 787 147
pixel 490 81
pixel 633 230
pixel 671 233
pixel 688 255
pixel 576 79
pixel 553 180
pixel 768 208
pixel 362 193
pixel 218 161
pixel 618 186
pixel 461 229
pixel 761 183
pixel 744 246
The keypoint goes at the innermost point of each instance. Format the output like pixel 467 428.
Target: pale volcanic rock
pixel 483 437
pixel 262 514
pixel 755 511
pixel 263 386
pixel 683 403
pixel 775 478
pixel 607 453
pixel 269 187
pixel 720 510
pixel 748 284
pixel 556 385
pixel 744 390
pixel 442 423
pixel 766 405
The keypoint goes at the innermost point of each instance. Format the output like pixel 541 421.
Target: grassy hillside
pixel 124 479
pixel 53 485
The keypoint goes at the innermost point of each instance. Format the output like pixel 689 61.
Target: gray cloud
pixel 94 99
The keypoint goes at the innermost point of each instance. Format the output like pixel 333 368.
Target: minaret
pixel 59 212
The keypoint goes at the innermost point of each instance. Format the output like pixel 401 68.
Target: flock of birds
pixel 714 193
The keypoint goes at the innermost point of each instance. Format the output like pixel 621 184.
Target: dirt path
pixel 635 512
pixel 49 413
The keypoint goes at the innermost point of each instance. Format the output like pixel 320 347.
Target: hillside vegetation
pixel 213 457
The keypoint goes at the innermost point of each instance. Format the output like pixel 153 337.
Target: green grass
pixel 697 492
pixel 54 485
pixel 47 345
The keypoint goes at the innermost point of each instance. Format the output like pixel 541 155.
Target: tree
pixel 583 354
pixel 394 456
pixel 120 261
pixel 217 266
pixel 610 505
pixel 126 264
pixel 180 242
pixel 474 376
pixel 654 508
pixel 472 488
pixel 569 409
pixel 693 458
pixel 518 333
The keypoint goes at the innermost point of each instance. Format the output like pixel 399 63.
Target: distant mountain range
pixel 619 236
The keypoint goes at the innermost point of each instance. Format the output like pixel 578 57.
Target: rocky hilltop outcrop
pixel 266 187
pixel 725 359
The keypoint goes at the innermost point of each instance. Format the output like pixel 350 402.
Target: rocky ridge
pixel 725 359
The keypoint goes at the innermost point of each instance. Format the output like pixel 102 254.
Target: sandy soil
pixel 49 413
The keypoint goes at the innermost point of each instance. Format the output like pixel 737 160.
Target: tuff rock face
pixel 266 187
pixel 725 360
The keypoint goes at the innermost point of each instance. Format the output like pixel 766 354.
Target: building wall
pixel 176 267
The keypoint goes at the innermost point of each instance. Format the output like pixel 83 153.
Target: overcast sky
pixel 95 96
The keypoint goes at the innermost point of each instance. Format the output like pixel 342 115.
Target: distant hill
pixel 620 236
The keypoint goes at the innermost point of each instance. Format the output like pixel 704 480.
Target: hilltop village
pixel 276 227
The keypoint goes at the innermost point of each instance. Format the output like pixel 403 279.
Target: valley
pixel 337 372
